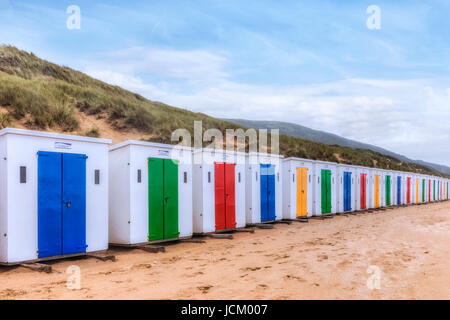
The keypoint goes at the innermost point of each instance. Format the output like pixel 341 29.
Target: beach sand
pixel 322 259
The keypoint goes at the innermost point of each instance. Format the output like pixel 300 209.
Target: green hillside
pixel 45 96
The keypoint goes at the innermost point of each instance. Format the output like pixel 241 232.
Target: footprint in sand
pixel 251 269
pixel 11 293
pixel 322 257
pixel 105 273
pixel 292 277
pixel 221 259
pixel 204 289
pixel 195 274
pixel 142 266
pixel 171 260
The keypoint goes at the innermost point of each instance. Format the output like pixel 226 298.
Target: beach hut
pixel 346 188
pixel 382 187
pixel 422 188
pixel 219 190
pixel 409 188
pixel 446 189
pixel 371 187
pixel 264 187
pixel 416 189
pixel 377 188
pixel 150 192
pixel 439 189
pixel 433 191
pixel 362 188
pixel 438 184
pixel 388 188
pixel 325 188
pixel 425 188
pixel 398 188
pixel 413 187
pixel 298 188
pixel 430 189
pixel 53 195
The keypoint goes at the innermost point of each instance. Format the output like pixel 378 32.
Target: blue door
pixel 49 204
pixel 267 193
pixel 263 193
pixel 271 193
pixel 399 190
pixel 74 203
pixel 61 204
pixel 347 191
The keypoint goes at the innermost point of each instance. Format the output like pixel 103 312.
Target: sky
pixel 314 63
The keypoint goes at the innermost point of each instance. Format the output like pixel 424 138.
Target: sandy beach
pixel 407 249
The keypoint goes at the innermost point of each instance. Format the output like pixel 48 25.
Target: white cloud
pixel 190 65
pixel 405 116
pixel 129 82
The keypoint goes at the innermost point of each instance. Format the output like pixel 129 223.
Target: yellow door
pixel 377 190
pixel 302 192
pixel 417 190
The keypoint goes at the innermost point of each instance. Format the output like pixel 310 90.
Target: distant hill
pixel 303 132
pixel 40 95
pixel 438 167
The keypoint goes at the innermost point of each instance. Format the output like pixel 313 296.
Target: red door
pixel 408 190
pixel 363 191
pixel 429 190
pixel 224 190
pixel 230 206
pixel 219 192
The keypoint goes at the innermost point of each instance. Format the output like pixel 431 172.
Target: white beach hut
pixel 150 192
pixel 53 195
pixel 219 190
pixel 325 192
pixel 298 188
pixel 264 188
pixel 346 188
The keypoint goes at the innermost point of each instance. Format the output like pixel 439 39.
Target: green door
pixel 434 190
pixel 388 190
pixel 423 190
pixel 326 191
pixel 162 199
pixel 170 199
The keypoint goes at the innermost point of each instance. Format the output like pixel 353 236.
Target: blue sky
pixel 313 63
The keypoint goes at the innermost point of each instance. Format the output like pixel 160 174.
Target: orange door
pixel 417 190
pixel 377 191
pixel 302 192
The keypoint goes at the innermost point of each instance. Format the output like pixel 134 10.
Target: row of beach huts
pixel 63 195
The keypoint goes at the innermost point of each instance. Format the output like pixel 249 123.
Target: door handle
pixel 67 203
pixel 166 199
